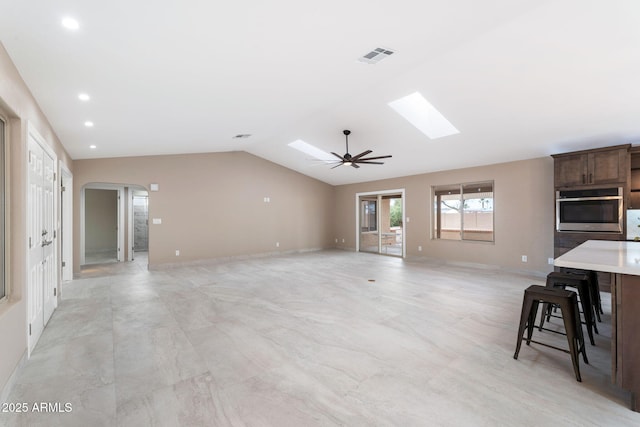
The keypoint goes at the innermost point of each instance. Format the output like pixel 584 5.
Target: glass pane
pixel 391 227
pixel 450 218
pixel 478 212
pixel 369 225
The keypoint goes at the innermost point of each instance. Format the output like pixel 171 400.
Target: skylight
pixel 309 149
pixel 420 113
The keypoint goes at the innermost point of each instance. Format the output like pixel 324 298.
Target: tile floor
pixel 317 339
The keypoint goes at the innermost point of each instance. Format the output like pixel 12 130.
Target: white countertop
pixel 603 255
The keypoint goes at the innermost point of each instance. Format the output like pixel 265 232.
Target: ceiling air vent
pixel 376 55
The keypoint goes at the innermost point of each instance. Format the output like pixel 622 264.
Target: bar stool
pixel 582 282
pixel 568 303
pixel 594 287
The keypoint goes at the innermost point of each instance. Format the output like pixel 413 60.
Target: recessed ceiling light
pixel 93 147
pixel 88 124
pixel 420 113
pixel 70 23
pixel 83 97
pixel 309 149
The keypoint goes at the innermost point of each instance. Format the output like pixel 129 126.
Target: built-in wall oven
pixel 595 210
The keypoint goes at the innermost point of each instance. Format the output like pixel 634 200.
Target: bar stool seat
pixel 568 303
pixel 581 282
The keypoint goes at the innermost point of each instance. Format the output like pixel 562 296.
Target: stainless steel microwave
pixel 592 210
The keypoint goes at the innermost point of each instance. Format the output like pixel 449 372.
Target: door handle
pixel 46 242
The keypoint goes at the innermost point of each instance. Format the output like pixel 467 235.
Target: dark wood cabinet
pixel 602 167
pixel 625 346
pixel 593 167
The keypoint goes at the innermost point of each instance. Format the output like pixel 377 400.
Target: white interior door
pixel 35 202
pixel 66 223
pixel 49 261
pixel 42 266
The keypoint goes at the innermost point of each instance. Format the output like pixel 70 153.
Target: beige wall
pixel 212 205
pixel 18 108
pixel 523 214
pixel 101 220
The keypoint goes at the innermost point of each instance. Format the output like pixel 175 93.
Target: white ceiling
pixel 520 79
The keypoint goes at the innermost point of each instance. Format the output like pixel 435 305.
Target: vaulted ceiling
pixel 518 78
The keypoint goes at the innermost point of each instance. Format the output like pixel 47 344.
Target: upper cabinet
pixel 601 166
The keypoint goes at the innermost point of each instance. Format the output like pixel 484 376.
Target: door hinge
pixel 55 293
pixel 54 234
pixel 29 242
pixel 64 264
pixel 54 176
pixel 29 329
pixel 63 188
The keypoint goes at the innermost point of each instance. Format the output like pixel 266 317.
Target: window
pixel 3 208
pixel 463 212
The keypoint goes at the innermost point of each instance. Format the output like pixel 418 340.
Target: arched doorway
pixel 113 223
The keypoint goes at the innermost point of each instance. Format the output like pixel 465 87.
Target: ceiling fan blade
pixel 338 156
pixel 376 158
pixel 370 163
pixel 355 165
pixel 339 164
pixel 364 153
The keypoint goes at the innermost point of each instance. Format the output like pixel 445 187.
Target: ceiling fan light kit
pixel 353 161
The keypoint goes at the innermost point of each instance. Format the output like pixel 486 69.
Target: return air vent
pixel 376 55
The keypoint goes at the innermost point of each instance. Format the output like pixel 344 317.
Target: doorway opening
pixel 380 222
pixel 113 224
pixel 101 240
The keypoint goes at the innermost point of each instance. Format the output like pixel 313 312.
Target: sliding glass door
pixel 381 223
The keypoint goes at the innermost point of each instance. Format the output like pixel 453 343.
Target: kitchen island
pixel 623 260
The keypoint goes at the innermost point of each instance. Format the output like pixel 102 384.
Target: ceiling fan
pixel 349 160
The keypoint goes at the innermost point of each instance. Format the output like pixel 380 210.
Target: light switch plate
pixel 157 221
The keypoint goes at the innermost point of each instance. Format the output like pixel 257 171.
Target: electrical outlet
pixel 342 240
pixel 336 240
pixel 277 244
pixel 177 252
pixel 419 248
pixel 524 258
pixel 550 261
